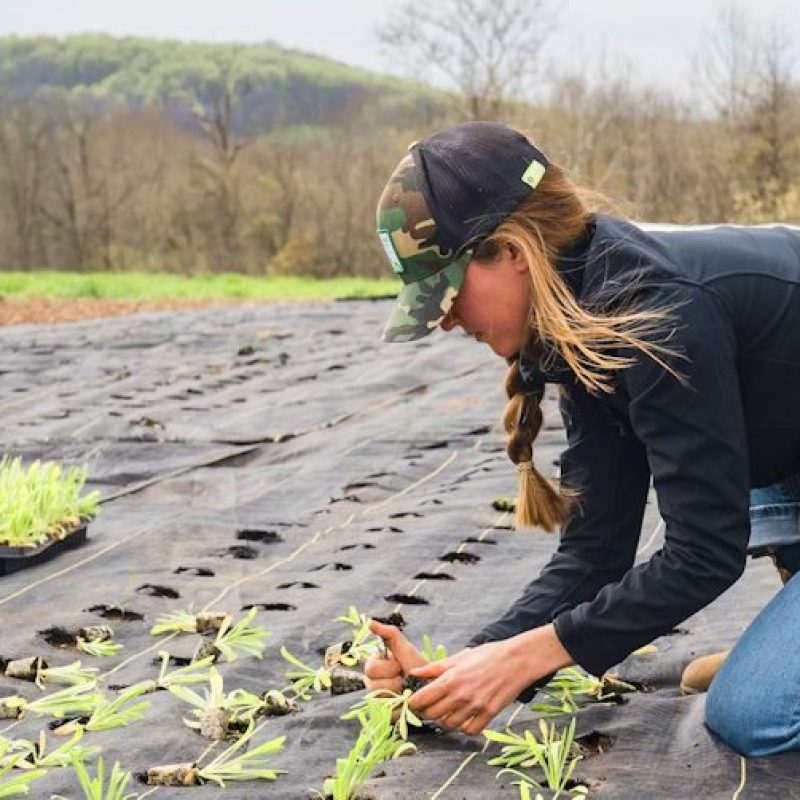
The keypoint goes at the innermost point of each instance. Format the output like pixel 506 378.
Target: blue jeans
pixel 753 704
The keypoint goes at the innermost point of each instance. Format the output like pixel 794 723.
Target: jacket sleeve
pixel 607 465
pixel 696 446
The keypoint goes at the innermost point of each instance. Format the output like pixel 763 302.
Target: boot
pixel 697 676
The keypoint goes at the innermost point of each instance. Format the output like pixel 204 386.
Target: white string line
pixel 440 566
pixel 463 765
pixel 107 549
pixel 743 779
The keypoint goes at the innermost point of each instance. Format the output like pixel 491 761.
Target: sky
pixel 653 36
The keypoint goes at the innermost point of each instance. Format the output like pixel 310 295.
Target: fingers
pixel 476 725
pixel 393 685
pixel 382 668
pixel 405 652
pixel 432 670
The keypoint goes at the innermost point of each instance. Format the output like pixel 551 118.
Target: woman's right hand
pixel 387 672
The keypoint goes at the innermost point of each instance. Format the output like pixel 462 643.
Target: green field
pixel 161 286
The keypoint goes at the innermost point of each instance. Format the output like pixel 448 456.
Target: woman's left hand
pixel 472 686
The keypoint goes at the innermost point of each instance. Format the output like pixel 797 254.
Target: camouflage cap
pixel 431 272
pixel 446 194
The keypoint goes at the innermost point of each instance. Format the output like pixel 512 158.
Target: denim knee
pixel 729 718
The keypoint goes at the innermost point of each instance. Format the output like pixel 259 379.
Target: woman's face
pixel 493 303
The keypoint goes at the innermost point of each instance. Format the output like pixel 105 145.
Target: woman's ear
pixel 516 258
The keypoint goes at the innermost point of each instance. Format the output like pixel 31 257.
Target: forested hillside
pixel 138 154
pixel 272 85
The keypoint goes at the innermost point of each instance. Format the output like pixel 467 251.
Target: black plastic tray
pixel 13 559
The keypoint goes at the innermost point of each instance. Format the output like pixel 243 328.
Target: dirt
pixel 51 310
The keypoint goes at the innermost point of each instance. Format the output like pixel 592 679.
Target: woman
pixel 677 356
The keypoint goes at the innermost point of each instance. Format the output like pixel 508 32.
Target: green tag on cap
pixel 388 246
pixel 533 174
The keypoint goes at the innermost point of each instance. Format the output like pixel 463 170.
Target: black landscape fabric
pixel 354 468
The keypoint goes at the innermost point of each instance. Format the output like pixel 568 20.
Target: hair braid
pixel 539 503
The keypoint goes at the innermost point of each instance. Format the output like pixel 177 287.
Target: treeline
pixel 120 154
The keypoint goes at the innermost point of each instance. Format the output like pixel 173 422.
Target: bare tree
pixel 489 50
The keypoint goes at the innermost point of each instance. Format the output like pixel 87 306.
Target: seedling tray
pixel 13 559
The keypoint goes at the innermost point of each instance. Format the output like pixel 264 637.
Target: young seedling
pixel 211 713
pixel 119 712
pixel 95 788
pixel 74 701
pixel 362 646
pixel 570 683
pixel 98 647
pixel 196 672
pixel 376 743
pixel 430 652
pixel 554 755
pixel 71 675
pixel 306 678
pixel 19 782
pixel 36 754
pixel 230 765
pixel 41 502
pixel 398 707
pixel 176 622
pixel 242 636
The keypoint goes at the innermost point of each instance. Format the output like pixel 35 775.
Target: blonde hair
pixel 553 217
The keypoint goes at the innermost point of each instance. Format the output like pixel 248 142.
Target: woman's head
pixel 475 228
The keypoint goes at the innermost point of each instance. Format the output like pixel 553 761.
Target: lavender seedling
pixel 554 755
pixel 230 765
pixel 398 710
pixel 376 743
pixel 98 647
pixel 242 636
pixel 36 754
pixel 362 646
pixel 305 678
pixel 70 675
pixel 19 782
pixel 95 788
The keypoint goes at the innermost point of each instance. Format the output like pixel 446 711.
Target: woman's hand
pixel 401 657
pixel 471 687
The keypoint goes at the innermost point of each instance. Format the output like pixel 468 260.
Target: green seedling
pixel 36 755
pixel 74 701
pixel 98 647
pixel 398 710
pixel 211 713
pixel 243 636
pixel 507 504
pixel 235 765
pixel 95 788
pixel 376 743
pixel 119 712
pixel 18 783
pixel 71 675
pixel 363 644
pixel 306 678
pixel 41 502
pixel 196 672
pixel 176 622
pixel 553 755
pixel 430 652
pixel 569 684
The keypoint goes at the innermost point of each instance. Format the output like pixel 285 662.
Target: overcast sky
pixel 654 35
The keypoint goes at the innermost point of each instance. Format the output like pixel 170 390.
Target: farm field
pixel 283 458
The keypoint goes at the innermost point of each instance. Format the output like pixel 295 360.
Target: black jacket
pixel 737 426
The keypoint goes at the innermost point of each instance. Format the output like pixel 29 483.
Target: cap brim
pixel 421 306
